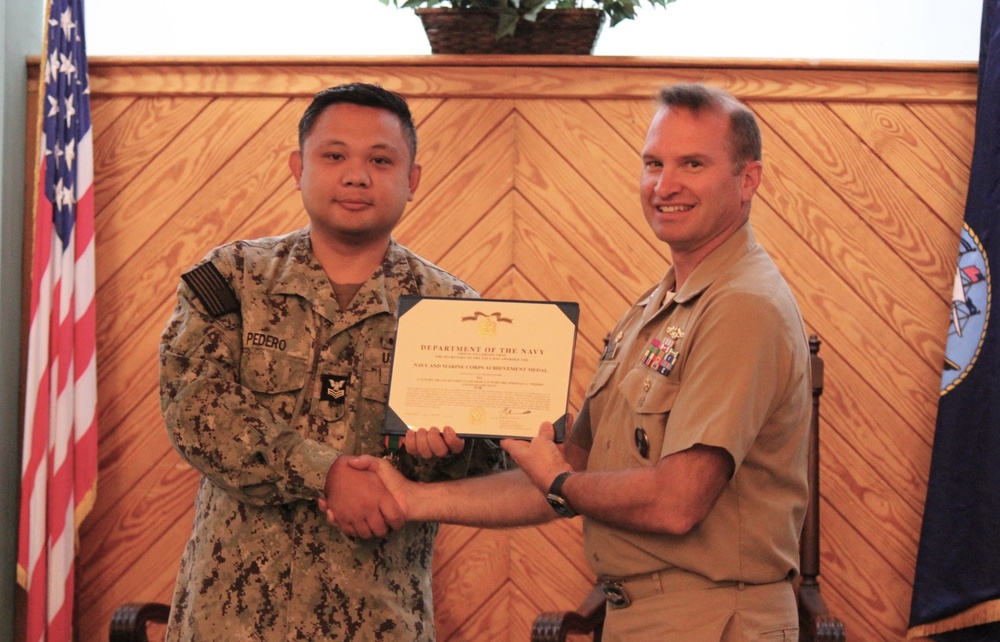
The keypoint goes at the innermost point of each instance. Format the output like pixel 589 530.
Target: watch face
pixel 560 506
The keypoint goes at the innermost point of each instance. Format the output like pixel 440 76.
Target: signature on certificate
pixel 505 412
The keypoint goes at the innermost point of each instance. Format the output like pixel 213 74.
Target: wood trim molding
pixel 533 77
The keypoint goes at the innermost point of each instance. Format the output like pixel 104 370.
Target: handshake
pixel 368 497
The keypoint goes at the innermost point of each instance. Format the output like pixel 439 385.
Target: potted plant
pixel 518 26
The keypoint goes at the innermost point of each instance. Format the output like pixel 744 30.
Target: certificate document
pixel 485 367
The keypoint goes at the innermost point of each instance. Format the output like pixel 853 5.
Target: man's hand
pixel 433 443
pixel 394 482
pixel 541 459
pixel 358 503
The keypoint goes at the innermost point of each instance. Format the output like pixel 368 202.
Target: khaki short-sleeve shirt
pixel 724 363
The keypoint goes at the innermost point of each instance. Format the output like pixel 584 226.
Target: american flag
pixel 59 461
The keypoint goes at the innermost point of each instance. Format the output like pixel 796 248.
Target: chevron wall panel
pixel 529 191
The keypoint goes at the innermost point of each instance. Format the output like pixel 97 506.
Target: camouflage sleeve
pixel 479 457
pixel 217 425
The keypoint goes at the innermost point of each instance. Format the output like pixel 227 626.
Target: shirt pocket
pixel 649 398
pixel 605 369
pixel 276 379
pixel 267 372
pixel 375 371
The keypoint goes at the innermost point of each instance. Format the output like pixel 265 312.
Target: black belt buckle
pixel 615 594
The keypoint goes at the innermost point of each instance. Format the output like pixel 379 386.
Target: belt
pixel 621 592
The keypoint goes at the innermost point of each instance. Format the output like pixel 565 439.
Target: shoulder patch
pixel 212 289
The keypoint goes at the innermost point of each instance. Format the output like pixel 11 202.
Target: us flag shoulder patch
pixel 212 289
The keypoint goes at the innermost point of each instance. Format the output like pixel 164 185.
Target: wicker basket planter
pixel 471 31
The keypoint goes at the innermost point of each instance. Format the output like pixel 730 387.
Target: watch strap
pixel 556 500
pixel 557 483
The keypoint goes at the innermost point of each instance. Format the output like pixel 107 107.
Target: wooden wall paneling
pixel 864 258
pixel 187 163
pixel 561 272
pixel 504 287
pixel 853 341
pixel 597 152
pixel 141 548
pixel 585 358
pixel 859 604
pixel 454 538
pixel 488 622
pixel 464 583
pixel 953 125
pixel 873 280
pixel 134 454
pixel 542 577
pixel 103 114
pixel 139 296
pixel 542 76
pixel 451 541
pixel 487 252
pixel 882 199
pixel 453 131
pixel 529 190
pixel 912 150
pixel 582 141
pixel 131 369
pixel 131 140
pixel 445 213
pixel 547 571
pixel 566 199
pixel 630 118
pixel 891 526
pixel 901 457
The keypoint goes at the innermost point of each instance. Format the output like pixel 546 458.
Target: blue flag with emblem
pixel 956 590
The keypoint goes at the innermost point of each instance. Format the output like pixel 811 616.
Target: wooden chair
pixel 128 624
pixel 815 622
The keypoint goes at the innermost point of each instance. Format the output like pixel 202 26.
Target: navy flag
pixel 956 591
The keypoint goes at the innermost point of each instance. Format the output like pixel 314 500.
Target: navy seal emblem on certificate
pixel 486 367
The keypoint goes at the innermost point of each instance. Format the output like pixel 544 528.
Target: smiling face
pixel 691 194
pixel 356 175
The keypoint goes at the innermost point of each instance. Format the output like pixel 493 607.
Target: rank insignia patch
pixel 334 388
pixel 660 354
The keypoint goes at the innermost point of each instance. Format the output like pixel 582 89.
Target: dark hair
pixel 366 95
pixel 744 133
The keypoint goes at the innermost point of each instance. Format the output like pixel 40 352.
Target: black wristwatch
pixel 555 497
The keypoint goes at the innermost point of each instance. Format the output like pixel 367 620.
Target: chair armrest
pixel 128 624
pixel 815 622
pixel 588 618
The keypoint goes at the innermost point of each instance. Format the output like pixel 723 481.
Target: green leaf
pixel 507 23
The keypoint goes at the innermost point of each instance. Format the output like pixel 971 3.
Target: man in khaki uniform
pixel 688 459
pixel 273 365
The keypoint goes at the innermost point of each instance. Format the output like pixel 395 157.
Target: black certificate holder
pixel 394 424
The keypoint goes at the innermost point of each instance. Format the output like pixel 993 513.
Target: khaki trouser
pixel 677 606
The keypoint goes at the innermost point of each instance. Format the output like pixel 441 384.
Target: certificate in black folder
pixel 485 367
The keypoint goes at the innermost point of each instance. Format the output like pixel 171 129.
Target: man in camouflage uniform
pixel 274 364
